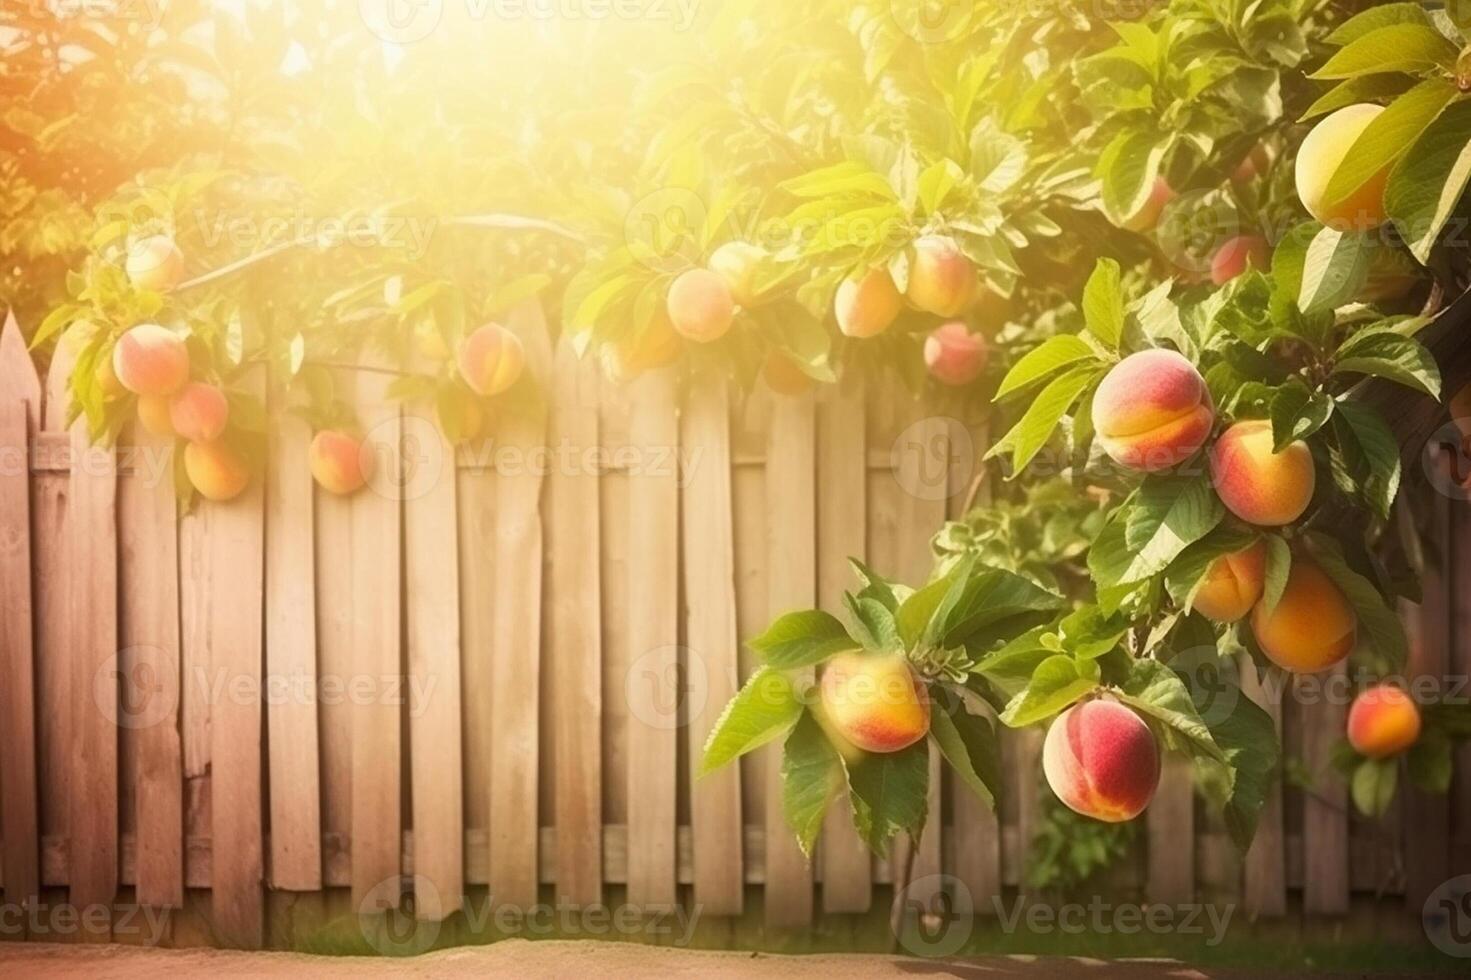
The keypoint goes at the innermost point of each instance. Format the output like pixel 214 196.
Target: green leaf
pixel 1297 413
pixel 1398 47
pixel 1157 691
pixel 1372 451
pixel 889 794
pixel 765 709
pixel 1103 303
pixel 1170 513
pixel 1361 88
pixel 1054 353
pixel 1279 566
pixel 1386 634
pixel 1403 360
pixel 1426 184
pixel 968 742
pixel 1056 683
pixel 1372 786
pixel 1248 737
pixel 800 639
pixel 811 774
pixel 1334 270
pixel 1127 168
pixel 988 596
pixel 1384 15
pixel 1031 433
pixel 1388 136
pixel 872 624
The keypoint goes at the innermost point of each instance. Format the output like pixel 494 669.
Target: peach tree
pixel 1115 238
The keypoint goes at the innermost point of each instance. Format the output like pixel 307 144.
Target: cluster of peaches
pixel 702 304
pixel 152 362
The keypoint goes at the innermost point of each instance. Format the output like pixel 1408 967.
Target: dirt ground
pixel 550 959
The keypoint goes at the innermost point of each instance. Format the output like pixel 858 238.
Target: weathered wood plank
pixel 20 411
pixel 572 630
pixel 516 642
pixel 1460 589
pixel 1427 815
pixel 235 549
pixel 377 814
pixel 842 517
pixel 149 663
pixel 708 542
pixel 1170 820
pixel 291 656
pixel 791 581
pixel 1325 807
pixel 1264 885
pixel 651 686
pixel 92 643
pixel 432 607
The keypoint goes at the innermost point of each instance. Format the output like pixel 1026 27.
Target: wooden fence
pixel 503 678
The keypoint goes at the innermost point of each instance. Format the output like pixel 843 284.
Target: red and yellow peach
pixel 700 305
pixel 874 700
pixel 1322 152
pixel 867 304
pixel 339 461
pixel 954 355
pixel 1257 485
pixel 942 280
pixel 1233 584
pixel 151 360
pixel 1152 410
pixel 155 263
pixel 216 470
pixel 1101 760
pixel 491 359
pixel 1145 219
pixel 153 412
pixel 738 263
pixel 1312 627
pixel 1383 721
pixel 199 412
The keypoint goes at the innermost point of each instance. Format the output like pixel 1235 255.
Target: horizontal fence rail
pixel 485 671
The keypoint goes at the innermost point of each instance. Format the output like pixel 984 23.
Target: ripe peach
pixel 215 469
pixel 199 412
pixel 1101 760
pixel 874 700
pixel 1321 154
pixel 942 280
pixel 1257 485
pixel 1238 254
pixel 625 358
pixel 151 360
pixel 491 359
pixel 1312 628
pixel 155 263
pixel 1383 721
pixel 1233 584
pixel 1154 205
pixel 954 355
pixel 737 263
pixel 340 462
pixel 700 305
pixel 784 377
pixel 153 412
pixel 866 305
pixel 1152 410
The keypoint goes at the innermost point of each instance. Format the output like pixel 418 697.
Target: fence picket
pixel 652 685
pixel 842 517
pixel 709 613
pixel 20 410
pixel 1264 884
pixel 1325 806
